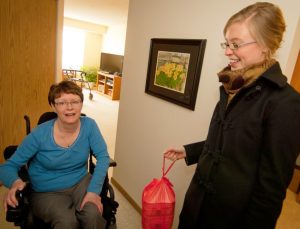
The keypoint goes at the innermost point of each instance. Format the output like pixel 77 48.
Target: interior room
pixel 137 126
pixel 93 41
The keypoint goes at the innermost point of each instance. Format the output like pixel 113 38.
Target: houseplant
pixel 91 74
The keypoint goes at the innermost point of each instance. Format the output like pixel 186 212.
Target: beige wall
pixel 294 49
pixel 92 50
pixel 146 124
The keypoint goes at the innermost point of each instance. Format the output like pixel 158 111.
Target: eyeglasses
pixel 74 103
pixel 234 46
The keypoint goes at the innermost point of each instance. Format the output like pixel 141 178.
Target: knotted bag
pixel 158 202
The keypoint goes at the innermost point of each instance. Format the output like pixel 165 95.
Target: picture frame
pixel 174 69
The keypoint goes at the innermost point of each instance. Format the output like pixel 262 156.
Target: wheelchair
pixel 22 215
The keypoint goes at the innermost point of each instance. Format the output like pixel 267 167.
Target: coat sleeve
pixel 193 152
pixel 280 148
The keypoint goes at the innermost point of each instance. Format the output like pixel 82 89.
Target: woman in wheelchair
pixel 64 193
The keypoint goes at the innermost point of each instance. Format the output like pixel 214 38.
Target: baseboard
pixel 126 195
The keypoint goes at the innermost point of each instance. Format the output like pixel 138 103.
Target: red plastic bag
pixel 158 203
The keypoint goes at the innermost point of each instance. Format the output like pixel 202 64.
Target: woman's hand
pixel 92 198
pixel 10 197
pixel 175 153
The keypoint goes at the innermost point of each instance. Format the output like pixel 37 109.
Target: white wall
pixel 86 26
pixel 91 43
pixel 147 125
pixel 98 38
pixel 114 40
pixel 60 16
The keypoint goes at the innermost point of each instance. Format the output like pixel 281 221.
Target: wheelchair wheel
pixel 110 208
pixel 111 191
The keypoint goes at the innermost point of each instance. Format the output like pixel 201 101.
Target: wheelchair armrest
pixel 112 163
pixel 18 214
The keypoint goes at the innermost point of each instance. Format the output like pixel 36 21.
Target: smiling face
pixel 245 55
pixel 68 108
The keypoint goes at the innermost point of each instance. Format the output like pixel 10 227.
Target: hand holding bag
pixel 158 202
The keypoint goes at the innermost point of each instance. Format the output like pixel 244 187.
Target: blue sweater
pixel 53 167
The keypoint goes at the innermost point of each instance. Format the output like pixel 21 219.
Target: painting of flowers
pixel 174 70
pixel 171 70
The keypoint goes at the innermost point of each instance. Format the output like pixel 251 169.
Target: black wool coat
pixel 247 161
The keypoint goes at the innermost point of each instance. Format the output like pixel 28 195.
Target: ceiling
pixel 102 12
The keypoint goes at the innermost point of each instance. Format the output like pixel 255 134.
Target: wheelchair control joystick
pixel 14 214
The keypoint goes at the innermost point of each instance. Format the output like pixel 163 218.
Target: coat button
pixel 258 88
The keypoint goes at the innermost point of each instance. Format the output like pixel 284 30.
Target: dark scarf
pixel 233 81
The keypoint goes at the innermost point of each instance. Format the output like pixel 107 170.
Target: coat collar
pixel 274 75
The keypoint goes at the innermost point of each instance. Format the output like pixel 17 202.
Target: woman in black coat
pixel 246 163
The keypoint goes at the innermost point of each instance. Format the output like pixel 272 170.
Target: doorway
pixel 97 29
pixel 295 81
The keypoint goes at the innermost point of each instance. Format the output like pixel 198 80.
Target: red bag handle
pixel 163 168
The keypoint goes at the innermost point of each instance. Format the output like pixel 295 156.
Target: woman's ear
pixel 267 53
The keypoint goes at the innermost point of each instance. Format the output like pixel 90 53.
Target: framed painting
pixel 174 70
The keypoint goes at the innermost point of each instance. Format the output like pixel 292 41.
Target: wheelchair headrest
pixel 9 151
pixel 46 117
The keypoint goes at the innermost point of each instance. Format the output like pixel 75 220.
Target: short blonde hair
pixel 266 24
